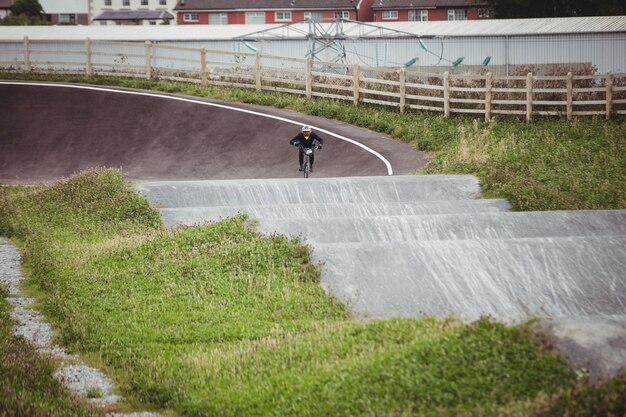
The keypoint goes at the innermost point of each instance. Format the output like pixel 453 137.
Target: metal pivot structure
pixel 327 40
pixel 321 36
pixel 327 37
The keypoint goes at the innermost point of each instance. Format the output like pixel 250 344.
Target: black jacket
pixel 307 143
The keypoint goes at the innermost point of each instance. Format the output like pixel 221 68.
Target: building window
pixel 457 14
pixel 144 2
pixel 342 15
pixel 67 19
pixel 125 2
pixel 190 17
pixel 283 16
pixel 162 2
pixel 218 18
pixel 484 13
pixel 390 15
pixel 418 15
pixel 107 3
pixel 314 16
pixel 152 22
pixel 255 18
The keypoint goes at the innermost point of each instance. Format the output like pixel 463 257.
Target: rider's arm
pixel 295 140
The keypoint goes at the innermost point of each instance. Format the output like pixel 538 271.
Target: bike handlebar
pixel 300 146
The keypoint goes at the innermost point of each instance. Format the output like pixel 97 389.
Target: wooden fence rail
pixel 527 95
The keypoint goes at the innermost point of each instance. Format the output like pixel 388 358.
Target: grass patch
pixel 544 165
pixel 94 392
pixel 606 399
pixel 218 320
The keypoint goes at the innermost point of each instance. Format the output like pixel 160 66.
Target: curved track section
pixel 57 130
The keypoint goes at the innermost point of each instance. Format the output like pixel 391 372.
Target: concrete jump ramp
pixel 509 279
pixel 189 215
pixel 470 225
pixel 469 260
pixel 380 190
pixel 428 245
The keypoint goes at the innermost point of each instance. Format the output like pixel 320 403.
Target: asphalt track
pixel 54 131
pixel 170 145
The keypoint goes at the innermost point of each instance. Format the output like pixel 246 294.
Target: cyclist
pixel 307 139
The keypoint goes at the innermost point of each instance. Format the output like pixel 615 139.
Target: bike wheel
pixel 307 168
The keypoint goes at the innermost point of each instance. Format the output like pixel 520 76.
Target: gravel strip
pixel 81 379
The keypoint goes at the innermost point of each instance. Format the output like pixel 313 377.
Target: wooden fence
pixel 524 95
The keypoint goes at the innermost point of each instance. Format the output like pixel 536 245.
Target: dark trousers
pixel 301 157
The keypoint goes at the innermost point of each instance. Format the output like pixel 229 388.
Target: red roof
pixel 5 4
pixel 425 4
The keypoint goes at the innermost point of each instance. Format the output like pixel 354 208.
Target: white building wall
pixel 64 6
pixel 98 6
pixel 605 51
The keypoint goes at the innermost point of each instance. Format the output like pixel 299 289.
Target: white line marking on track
pixel 205 103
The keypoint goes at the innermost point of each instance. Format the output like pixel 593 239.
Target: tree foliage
pixel 23 20
pixel 25 13
pixel 512 9
pixel 30 8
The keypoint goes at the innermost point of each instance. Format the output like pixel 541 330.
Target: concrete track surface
pixel 388 245
pixel 471 258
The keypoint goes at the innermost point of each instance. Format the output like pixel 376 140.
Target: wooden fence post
pixel 356 75
pixel 529 97
pixel 27 66
pixel 88 66
pixel 402 89
pixel 148 59
pixel 488 82
pixel 570 96
pixel 609 94
pixel 446 94
pixel 257 70
pixel 203 70
pixel 309 77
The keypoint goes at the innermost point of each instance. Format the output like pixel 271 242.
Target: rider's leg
pixel 301 158
pixel 311 159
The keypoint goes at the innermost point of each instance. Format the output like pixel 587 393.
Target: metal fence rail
pixel 526 95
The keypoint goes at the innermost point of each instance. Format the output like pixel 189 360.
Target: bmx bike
pixel 306 165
